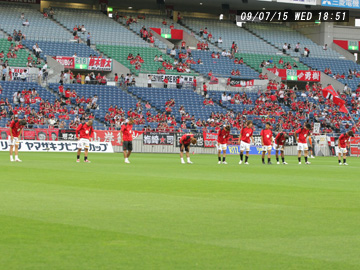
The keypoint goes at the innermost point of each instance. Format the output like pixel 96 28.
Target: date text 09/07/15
pixel 292 16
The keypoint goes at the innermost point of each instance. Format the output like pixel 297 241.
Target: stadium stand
pixel 120 53
pixel 54 48
pixel 221 67
pixel 278 34
pixel 10 19
pixel 107 96
pixel 44 103
pixel 103 30
pixel 21 54
pixel 229 32
pixel 338 67
pixel 254 60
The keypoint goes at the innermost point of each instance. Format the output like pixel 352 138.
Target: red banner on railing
pixel 67 62
pixel 297 75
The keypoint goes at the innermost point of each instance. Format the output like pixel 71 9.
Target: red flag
pixel 330 93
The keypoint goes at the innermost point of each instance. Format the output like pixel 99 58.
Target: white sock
pixel 16 157
pixel 188 159
pixel 182 159
pixel 11 157
pixel 126 159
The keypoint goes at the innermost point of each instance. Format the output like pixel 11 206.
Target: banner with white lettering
pixel 158 138
pixel 234 82
pixel 16 73
pixel 159 78
pixel 57 146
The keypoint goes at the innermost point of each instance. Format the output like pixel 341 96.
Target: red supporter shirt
pixel 280 139
pixel 15 128
pixel 186 139
pixel 127 132
pixel 343 140
pixel 85 131
pixel 223 136
pixel 303 133
pixel 246 134
pixel 266 134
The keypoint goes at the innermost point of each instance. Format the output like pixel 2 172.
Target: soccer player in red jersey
pixel 223 137
pixel 84 133
pixel 344 141
pixel 245 138
pixel 126 138
pixel 300 136
pixel 16 127
pixel 266 142
pixel 185 142
pixel 279 145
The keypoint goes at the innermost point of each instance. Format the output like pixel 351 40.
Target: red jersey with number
pixel 280 139
pixel 86 132
pixel 223 136
pixel 127 132
pixel 186 139
pixel 246 134
pixel 343 140
pixel 267 135
pixel 15 128
pixel 303 133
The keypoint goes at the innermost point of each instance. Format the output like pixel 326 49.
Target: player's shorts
pixel 244 146
pixel 279 147
pixel 266 148
pixel 221 146
pixel 302 147
pixel 185 147
pixel 14 141
pixel 342 150
pixel 83 143
pixel 127 146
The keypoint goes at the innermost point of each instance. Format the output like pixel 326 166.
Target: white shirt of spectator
pixel 173 52
pixel 224 97
pixel 281 93
pixel 220 40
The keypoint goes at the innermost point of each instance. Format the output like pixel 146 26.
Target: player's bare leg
pixel 283 157
pixel 219 156
pixel 306 152
pixel 344 159
pixel 86 155
pixel 16 153
pixel 299 156
pixel 128 154
pixel 247 157
pixel 263 157
pixel 11 153
pixel 182 154
pixel 188 157
pixel 78 155
pixel 224 157
pixel 241 157
pixel 277 156
pixel 269 157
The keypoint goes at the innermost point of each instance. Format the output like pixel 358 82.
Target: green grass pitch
pixel 156 213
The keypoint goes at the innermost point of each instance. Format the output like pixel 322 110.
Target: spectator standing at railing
pixel 88 37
